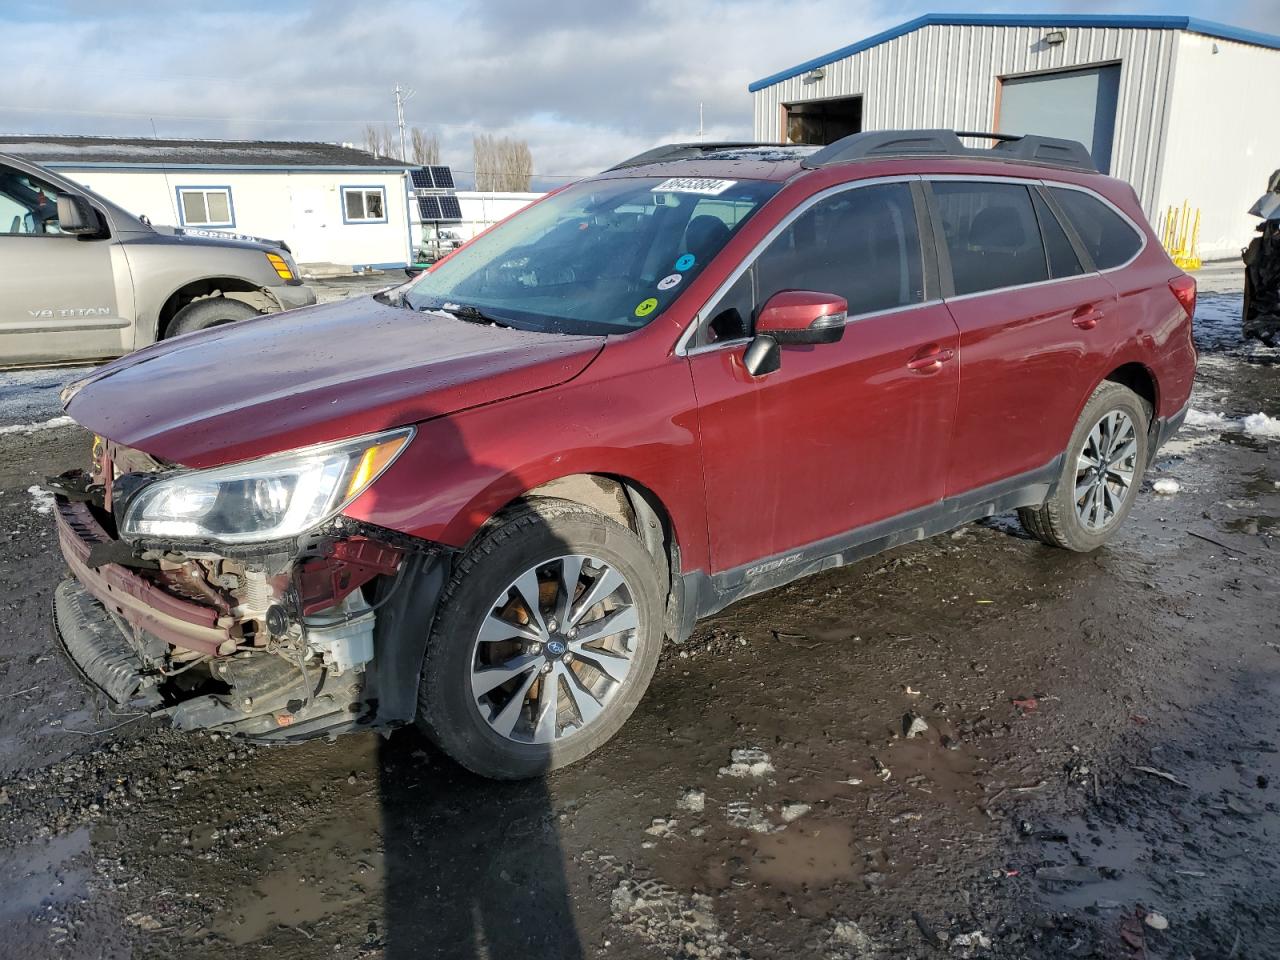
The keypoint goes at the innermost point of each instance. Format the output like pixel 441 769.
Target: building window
pixel 364 205
pixel 205 206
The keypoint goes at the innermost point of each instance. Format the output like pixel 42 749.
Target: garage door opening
pixel 1076 104
pixel 823 121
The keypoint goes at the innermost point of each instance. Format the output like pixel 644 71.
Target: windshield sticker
pixel 646 307
pixel 685 263
pixel 666 283
pixel 703 185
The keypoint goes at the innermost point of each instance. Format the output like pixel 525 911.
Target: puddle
pixel 306 878
pixel 45 873
pixel 807 853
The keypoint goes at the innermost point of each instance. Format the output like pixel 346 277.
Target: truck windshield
pixel 604 256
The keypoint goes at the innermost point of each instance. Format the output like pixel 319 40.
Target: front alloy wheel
pixel 554 649
pixel 544 640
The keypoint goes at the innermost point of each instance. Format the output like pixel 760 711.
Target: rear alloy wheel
pixel 1100 476
pixel 544 641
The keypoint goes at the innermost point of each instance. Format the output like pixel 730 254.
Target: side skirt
pixel 710 594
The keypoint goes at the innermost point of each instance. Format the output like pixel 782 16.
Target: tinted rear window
pixel 1106 235
pixel 992 235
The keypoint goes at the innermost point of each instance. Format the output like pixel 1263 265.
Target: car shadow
pixel 473 867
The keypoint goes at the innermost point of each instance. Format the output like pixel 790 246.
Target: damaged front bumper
pixel 285 646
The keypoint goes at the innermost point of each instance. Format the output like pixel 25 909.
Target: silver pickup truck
pixel 82 279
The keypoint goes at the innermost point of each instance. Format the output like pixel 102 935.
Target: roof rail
pixel 683 151
pixel 1030 148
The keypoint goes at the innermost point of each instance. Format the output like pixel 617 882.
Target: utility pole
pixel 402 97
pixel 699 121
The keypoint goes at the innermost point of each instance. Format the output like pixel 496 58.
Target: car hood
pixel 323 373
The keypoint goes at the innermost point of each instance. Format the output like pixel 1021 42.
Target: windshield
pixel 605 256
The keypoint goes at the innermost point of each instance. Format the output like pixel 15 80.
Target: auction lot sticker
pixel 703 185
pixel 669 281
pixel 646 307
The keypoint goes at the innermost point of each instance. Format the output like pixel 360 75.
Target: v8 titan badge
pixel 667 282
pixel 646 307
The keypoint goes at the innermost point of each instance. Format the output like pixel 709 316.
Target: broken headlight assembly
pixel 272 498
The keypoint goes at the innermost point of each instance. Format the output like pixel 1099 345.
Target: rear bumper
pixel 1166 427
pixel 134 599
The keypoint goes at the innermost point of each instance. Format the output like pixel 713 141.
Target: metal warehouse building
pixel 1181 108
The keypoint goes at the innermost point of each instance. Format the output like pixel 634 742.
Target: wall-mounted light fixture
pixel 1055 37
pixel 813 76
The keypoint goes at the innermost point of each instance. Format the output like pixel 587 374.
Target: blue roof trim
pixel 1140 21
pixel 225 167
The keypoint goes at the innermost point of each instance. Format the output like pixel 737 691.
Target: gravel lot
pixel 1097 776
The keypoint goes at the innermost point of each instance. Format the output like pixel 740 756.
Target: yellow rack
pixel 1180 235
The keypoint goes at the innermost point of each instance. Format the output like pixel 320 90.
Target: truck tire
pixel 209 312
pixel 511 692
pixel 1101 472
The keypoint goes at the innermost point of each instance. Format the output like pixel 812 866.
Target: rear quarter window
pixel 1108 237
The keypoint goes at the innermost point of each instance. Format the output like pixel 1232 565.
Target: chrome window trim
pixel 682 348
pixel 1142 234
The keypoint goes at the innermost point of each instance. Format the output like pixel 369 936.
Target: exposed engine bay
pixel 275 640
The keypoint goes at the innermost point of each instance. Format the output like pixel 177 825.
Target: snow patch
pixel 1255 424
pixel 695 801
pixel 747 762
pixel 41 500
pixel 1199 418
pixel 1260 425
pixel 1166 486
pixel 33 427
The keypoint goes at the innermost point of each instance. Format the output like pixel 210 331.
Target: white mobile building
pixel 1179 107
pixel 331 204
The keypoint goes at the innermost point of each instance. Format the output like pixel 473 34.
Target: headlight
pixel 269 499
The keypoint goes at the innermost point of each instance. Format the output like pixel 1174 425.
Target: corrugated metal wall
pixel 945 76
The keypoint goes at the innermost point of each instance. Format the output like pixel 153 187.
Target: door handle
pixel 1087 317
pixel 931 361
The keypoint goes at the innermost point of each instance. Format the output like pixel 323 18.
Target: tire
pixel 206 313
pixel 1059 521
pixel 540 538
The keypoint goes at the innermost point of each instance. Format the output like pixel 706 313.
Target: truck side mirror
pixel 76 216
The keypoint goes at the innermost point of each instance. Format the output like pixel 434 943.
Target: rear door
pixel 1032 315
pixel 62 297
pixel 842 434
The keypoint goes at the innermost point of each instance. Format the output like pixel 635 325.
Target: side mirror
pixel 794 317
pixel 77 216
pixel 803 316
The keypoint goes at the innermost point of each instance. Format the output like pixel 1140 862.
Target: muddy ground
pixel 1100 745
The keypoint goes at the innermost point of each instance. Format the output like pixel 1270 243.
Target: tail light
pixel 1184 288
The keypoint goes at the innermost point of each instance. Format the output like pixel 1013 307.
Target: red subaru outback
pixel 481 500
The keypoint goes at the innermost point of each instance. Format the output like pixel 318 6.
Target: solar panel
pixel 429 208
pixel 421 177
pixel 450 209
pixel 442 177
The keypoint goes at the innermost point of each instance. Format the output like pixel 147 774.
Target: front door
pixel 62 293
pixel 844 434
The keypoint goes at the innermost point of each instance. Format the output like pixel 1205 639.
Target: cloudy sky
pixel 585 82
